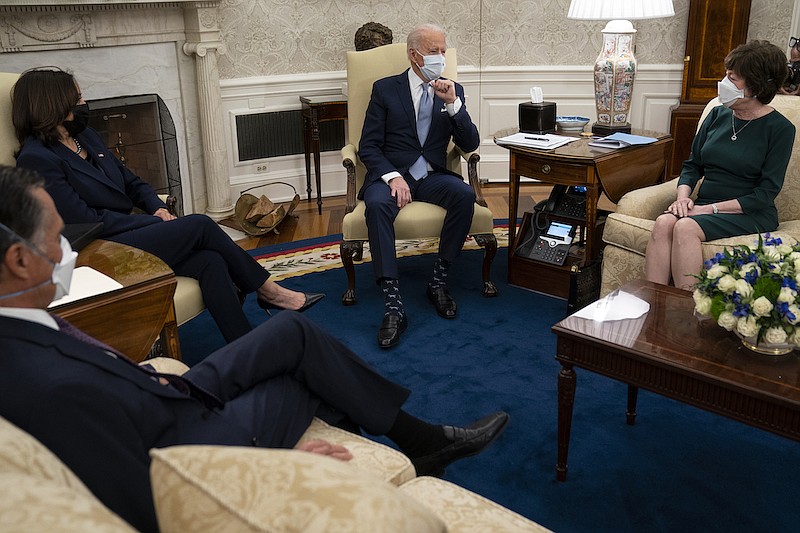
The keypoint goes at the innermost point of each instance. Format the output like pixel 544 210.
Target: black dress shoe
pixel 311 299
pixel 465 442
pixel 392 326
pixel 444 303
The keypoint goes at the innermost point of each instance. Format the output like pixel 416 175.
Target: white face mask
pixel 432 67
pixel 728 92
pixel 62 271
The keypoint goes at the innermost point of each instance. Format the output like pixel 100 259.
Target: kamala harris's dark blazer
pixel 84 192
pixel 389 137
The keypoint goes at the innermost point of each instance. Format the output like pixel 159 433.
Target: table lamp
pixel 615 68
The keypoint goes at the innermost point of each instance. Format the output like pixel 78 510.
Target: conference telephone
pixel 548 240
pixel 552 245
pixel 568 202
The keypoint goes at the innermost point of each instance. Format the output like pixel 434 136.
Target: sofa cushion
pixel 227 488
pixel 463 511
pixel 39 493
pixel 368 455
pixel 417 220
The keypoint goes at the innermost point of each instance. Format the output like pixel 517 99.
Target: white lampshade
pixel 620 9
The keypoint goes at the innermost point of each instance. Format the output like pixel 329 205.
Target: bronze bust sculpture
pixel 372 35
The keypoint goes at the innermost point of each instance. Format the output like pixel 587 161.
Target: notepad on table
pixel 621 140
pixel 87 282
pixel 543 141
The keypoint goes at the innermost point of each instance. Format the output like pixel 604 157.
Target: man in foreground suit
pixel 409 123
pixel 100 413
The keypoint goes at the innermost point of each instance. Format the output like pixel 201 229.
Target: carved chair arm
pixel 472 159
pixel 172 203
pixel 349 161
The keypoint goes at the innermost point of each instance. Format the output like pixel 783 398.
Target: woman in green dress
pixel 741 150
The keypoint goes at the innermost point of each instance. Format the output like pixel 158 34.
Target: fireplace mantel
pixel 193 26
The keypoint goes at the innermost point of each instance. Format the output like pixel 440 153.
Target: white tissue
pixel 536 95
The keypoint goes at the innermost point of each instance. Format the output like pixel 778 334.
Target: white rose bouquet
pixel 753 292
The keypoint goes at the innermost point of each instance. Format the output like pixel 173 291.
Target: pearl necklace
pixel 79 148
pixel 733 127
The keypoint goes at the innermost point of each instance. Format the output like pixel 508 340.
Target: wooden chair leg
pixel 348 250
pixel 488 242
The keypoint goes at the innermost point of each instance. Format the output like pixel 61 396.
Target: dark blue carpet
pixel 678 469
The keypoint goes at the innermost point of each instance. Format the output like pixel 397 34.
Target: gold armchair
pixel 417 219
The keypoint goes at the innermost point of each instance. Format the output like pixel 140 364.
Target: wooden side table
pixel 613 172
pixel 131 318
pixel 318 109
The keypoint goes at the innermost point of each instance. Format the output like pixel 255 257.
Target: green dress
pixel 750 169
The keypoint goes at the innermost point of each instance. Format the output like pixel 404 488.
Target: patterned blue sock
pixel 391 293
pixel 440 270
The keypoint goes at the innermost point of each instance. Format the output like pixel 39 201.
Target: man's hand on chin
pixel 400 191
pixel 445 89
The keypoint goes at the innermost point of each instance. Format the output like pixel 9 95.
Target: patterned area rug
pixel 323 254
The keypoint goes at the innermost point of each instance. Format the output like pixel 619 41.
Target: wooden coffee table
pixel 131 318
pixel 670 353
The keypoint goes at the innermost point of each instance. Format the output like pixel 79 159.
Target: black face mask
pixel 80 119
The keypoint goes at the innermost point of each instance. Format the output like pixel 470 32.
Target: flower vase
pixel 774 352
pixel 703 319
pixel 614 72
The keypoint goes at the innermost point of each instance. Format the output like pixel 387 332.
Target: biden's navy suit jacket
pixel 389 139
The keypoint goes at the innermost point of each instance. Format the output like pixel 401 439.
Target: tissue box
pixel 537 117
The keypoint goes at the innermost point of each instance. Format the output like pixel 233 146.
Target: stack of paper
pixel 87 282
pixel 545 141
pixel 621 140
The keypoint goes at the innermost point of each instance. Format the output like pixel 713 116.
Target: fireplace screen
pixel 141 133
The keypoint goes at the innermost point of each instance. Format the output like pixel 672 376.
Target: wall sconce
pixel 615 67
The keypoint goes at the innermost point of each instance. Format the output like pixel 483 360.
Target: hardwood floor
pixel 309 223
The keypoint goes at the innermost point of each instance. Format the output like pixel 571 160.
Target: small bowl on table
pixel 569 124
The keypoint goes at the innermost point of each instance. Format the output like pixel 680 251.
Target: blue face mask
pixel 432 67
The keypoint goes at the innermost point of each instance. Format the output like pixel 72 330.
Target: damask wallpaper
pixel 272 37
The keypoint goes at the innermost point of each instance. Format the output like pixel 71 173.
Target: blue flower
pixel 741 310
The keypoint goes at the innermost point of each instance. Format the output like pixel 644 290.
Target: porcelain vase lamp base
pixel 614 72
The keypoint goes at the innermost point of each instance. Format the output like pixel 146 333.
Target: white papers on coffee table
pixel 617 305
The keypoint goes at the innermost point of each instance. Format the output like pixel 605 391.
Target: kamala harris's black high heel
pixel 311 299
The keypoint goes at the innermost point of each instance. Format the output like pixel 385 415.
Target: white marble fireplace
pixel 128 47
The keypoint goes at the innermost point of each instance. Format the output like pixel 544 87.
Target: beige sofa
pixel 225 488
pixel 627 231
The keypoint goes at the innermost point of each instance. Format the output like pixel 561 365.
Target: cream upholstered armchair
pixel 188 298
pixel 417 219
pixel 627 231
